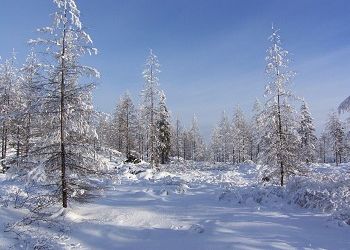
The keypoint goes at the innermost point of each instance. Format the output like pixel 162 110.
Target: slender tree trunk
pixel 3 145
pixel 28 135
pixel 281 138
pixel 62 123
pixel 127 133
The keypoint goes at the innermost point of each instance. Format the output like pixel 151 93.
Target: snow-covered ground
pixel 197 206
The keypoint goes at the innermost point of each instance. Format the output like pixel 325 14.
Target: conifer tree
pixel 176 139
pixel 150 95
pixel 336 132
pixel 307 135
pixel 240 136
pixel 67 107
pixel 256 124
pixel 125 124
pixel 280 139
pixel 164 132
pixel 10 106
pixel 32 89
pixel 197 147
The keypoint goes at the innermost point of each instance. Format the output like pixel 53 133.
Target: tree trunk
pixel 62 123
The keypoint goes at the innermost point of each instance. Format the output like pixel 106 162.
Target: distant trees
pixel 221 144
pixel 195 141
pixel 336 133
pixel 124 124
pixel 146 130
pixel 241 136
pixel 256 128
pixel 176 139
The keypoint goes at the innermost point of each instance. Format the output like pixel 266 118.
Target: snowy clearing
pixel 206 207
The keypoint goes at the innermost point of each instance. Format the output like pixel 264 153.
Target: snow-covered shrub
pixel 258 194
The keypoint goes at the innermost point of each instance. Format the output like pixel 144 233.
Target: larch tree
pixel 32 88
pixel 240 137
pixel 150 99
pixel 197 147
pixel 323 142
pixel 336 132
pixel 280 138
pixel 10 105
pixel 67 106
pixel 216 145
pixel 164 130
pixel 221 142
pixel 308 138
pixel 176 139
pixel 125 124
pixel 225 135
pixel 256 126
pixel 104 130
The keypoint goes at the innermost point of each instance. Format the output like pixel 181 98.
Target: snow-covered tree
pixel 280 139
pixel 104 130
pixel 241 137
pixel 216 145
pixel 307 135
pixel 225 136
pixel 256 128
pixel 150 95
pixel 197 147
pixel 186 144
pixel 32 89
pixel 176 139
pixel 141 135
pixel 323 142
pixel 67 108
pixel 336 132
pixel 10 105
pixel 125 124
pixel 221 140
pixel 164 133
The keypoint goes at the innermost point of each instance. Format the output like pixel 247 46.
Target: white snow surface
pixel 191 206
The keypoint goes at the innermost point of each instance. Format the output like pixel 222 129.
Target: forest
pixel 63 161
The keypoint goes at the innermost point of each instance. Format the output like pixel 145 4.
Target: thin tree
pixel 336 133
pixel 280 138
pixel 164 132
pixel 67 107
pixel 10 105
pixel 150 95
pixel 308 138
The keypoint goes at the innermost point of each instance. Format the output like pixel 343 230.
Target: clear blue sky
pixel 211 51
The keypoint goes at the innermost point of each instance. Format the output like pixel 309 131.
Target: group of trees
pixel 278 136
pixel 48 122
pixel 46 107
pixel 146 130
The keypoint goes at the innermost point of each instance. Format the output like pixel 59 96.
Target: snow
pixel 192 206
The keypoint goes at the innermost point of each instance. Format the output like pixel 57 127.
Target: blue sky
pixel 211 51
